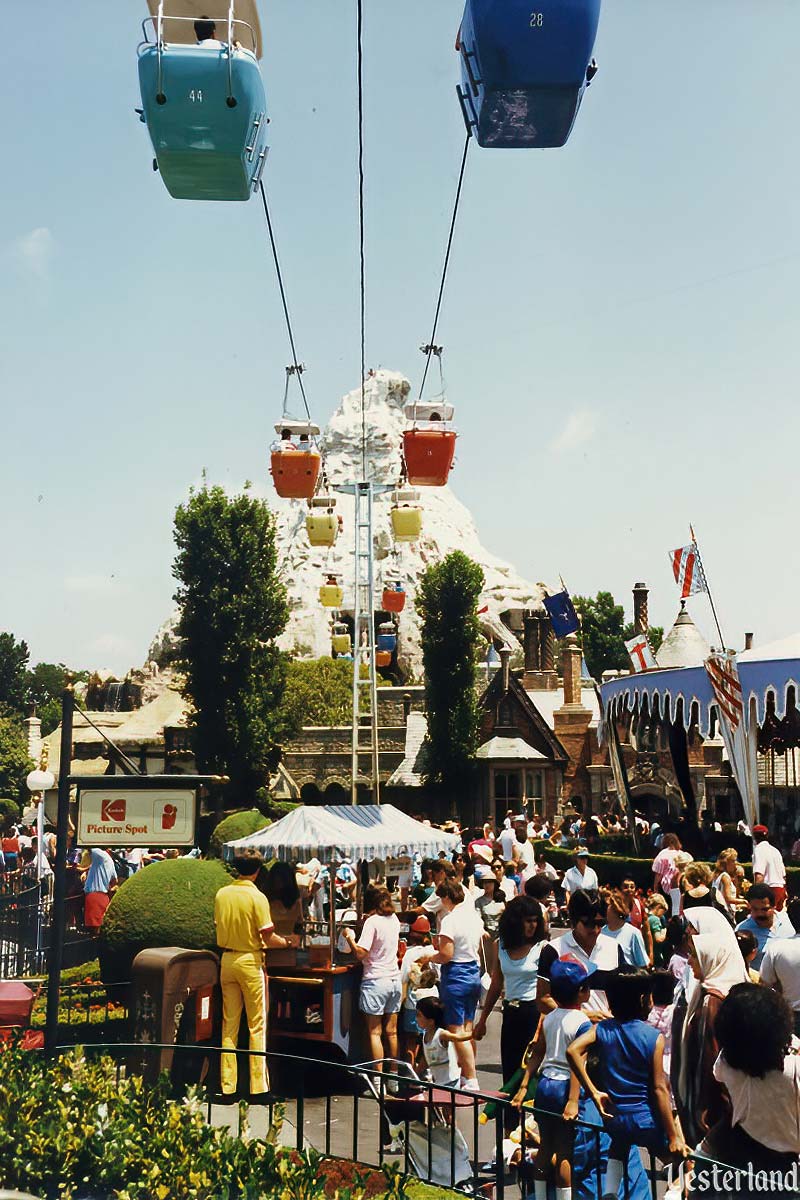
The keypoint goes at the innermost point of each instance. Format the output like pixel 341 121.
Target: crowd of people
pixel 93 874
pixel 666 1009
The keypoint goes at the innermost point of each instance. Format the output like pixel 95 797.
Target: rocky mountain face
pixel 447 525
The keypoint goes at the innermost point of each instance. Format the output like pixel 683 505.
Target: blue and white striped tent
pixel 334 833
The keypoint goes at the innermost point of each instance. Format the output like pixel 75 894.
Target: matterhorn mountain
pixel 447 525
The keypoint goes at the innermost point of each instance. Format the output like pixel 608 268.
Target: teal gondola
pixel 524 69
pixel 203 98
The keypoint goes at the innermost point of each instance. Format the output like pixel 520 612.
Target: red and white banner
pixel 740 742
pixel 688 570
pixel 640 653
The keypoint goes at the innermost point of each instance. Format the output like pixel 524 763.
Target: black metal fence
pixel 26 918
pixel 441 1135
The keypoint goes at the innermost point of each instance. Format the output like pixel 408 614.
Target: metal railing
pixel 437 1134
pixel 88 1013
pixel 26 918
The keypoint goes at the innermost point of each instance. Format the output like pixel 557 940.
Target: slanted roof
pixel 412 769
pixel 494 692
pixel 684 645
pixel 508 748
pixel 548 700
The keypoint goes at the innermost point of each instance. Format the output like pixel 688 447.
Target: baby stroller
pixel 16 1006
pixel 421 1125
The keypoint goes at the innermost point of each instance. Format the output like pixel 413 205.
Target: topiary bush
pixel 169 903
pixel 237 825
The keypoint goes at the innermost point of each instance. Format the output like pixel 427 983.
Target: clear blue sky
pixel 620 323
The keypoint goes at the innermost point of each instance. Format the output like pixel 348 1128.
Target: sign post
pixel 121 810
pixel 55 958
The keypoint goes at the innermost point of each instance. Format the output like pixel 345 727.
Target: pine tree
pixel 447 602
pixel 232 609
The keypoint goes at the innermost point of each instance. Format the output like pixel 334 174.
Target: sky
pixel 620 322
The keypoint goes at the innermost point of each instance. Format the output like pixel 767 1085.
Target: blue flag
pixel 562 614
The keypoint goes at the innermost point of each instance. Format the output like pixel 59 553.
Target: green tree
pixel 232 608
pixel 604 633
pixel 447 603
pixel 319 691
pixel 14 761
pixel 45 683
pixel 14 657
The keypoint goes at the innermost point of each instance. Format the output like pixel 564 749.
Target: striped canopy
pixel 771 669
pixel 336 832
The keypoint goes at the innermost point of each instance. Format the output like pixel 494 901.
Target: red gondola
pixel 394 598
pixel 429 446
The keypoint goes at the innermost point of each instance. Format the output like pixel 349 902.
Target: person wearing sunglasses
pixel 585 943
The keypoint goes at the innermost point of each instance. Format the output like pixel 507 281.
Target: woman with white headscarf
pixel 716 965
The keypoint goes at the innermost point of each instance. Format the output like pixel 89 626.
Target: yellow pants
pixel 243 985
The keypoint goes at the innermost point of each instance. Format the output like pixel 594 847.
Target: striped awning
pixel 337 832
pixel 686 692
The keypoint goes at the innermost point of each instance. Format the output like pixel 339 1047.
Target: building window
pixel 504 716
pixel 506 785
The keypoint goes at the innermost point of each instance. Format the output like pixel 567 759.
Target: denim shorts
pixel 380 997
pixel 460 991
pixel 408 1021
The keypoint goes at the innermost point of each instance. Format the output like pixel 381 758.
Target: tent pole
pixel 332 909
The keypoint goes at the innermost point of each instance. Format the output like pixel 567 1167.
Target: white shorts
pixel 380 997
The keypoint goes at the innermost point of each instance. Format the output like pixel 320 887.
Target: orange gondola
pixel 295 466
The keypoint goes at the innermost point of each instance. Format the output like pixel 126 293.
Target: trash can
pixel 176 1002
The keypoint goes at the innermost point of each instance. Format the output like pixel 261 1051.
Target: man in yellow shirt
pixel 244 930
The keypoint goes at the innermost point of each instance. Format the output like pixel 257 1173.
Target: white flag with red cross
pixel 640 653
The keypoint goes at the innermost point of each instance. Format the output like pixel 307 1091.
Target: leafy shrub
pixel 237 825
pixel 613 868
pixel 169 903
pixel 9 811
pixel 282 808
pixel 70 1127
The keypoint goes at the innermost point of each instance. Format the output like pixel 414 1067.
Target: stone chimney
pixel 572 672
pixel 539 643
pixel 505 667
pixel 571 725
pixel 748 641
pixel 640 618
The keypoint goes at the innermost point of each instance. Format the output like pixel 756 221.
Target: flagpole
pixel 708 588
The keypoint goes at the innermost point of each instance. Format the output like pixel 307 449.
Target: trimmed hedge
pixel 169 903
pixel 613 868
pixel 237 825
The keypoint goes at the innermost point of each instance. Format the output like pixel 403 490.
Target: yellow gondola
pixel 341 642
pixel 331 594
pixel 406 515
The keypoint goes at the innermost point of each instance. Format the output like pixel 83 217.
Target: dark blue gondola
pixel 524 69
pixel 204 104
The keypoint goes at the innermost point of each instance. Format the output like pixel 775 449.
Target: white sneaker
pixel 470 1085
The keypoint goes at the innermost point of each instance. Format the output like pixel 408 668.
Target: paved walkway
pixel 354 1122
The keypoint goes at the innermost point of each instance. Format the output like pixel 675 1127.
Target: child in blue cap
pixel 635 1099
pixel 558 1090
